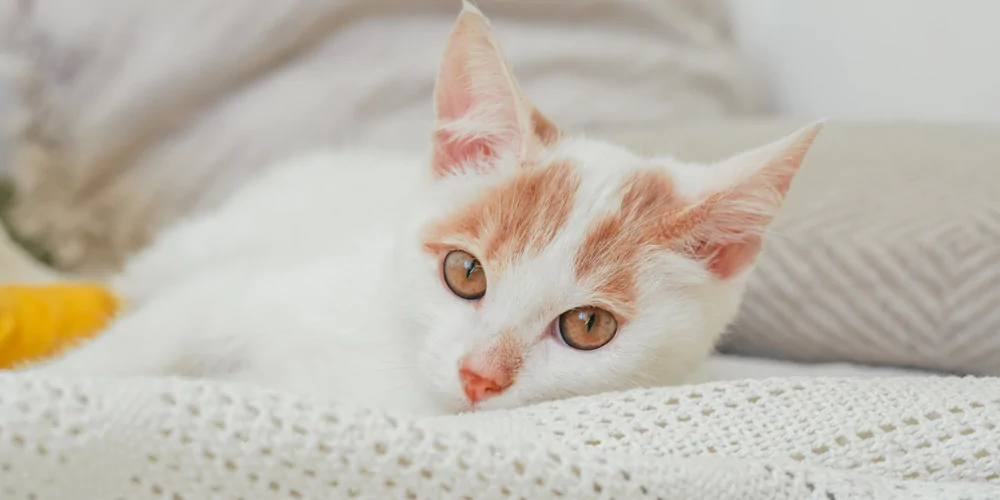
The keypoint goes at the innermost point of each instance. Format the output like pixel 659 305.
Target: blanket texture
pixel 136 113
pixel 825 439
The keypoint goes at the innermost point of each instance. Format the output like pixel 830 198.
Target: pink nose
pixel 478 387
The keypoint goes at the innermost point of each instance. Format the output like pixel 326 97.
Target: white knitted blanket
pixel 783 438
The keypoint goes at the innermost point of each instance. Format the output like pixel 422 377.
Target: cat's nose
pixel 478 387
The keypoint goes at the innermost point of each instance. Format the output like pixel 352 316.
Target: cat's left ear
pixel 481 112
pixel 724 227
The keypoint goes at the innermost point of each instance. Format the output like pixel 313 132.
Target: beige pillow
pixel 887 251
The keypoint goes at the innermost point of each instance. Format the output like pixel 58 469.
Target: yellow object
pixel 39 321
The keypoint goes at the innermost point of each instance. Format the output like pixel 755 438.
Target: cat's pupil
pixel 470 267
pixel 590 322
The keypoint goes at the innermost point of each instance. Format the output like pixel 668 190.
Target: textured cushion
pixel 887 251
pixel 919 438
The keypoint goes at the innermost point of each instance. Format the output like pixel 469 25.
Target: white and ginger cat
pixel 514 265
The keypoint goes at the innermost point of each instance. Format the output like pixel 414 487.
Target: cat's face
pixel 541 265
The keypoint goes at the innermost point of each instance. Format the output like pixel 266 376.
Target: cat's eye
pixel 587 328
pixel 464 275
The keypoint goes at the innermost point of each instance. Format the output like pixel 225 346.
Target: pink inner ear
pixel 721 232
pixel 727 260
pixel 451 151
pixel 453 99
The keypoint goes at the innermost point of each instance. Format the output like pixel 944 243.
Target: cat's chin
pixel 447 402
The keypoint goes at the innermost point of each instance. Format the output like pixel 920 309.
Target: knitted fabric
pixel 785 438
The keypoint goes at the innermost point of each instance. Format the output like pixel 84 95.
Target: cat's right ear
pixel 481 112
pixel 724 228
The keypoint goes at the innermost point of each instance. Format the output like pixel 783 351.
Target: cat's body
pixel 514 265
pixel 282 286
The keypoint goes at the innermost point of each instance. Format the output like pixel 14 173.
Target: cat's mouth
pixel 486 405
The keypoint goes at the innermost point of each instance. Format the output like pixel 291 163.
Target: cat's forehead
pixel 514 217
pixel 588 208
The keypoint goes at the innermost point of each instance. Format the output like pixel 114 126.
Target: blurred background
pixel 596 64
pixel 124 116
pixel 885 60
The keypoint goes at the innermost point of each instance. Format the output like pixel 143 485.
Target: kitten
pixel 515 265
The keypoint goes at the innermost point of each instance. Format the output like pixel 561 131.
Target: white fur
pixel 313 279
pixel 308 281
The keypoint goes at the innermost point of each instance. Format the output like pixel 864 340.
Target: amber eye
pixel 464 275
pixel 587 328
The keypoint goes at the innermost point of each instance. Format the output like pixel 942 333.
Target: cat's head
pixel 543 265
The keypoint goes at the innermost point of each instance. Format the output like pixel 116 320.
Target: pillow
pixel 137 113
pixel 887 250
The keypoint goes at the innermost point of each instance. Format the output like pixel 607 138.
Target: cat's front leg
pixel 140 343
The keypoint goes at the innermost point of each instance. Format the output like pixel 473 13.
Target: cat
pixel 515 264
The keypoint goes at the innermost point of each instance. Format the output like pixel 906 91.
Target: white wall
pixel 877 59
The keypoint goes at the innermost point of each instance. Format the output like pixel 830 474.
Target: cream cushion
pixel 887 250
